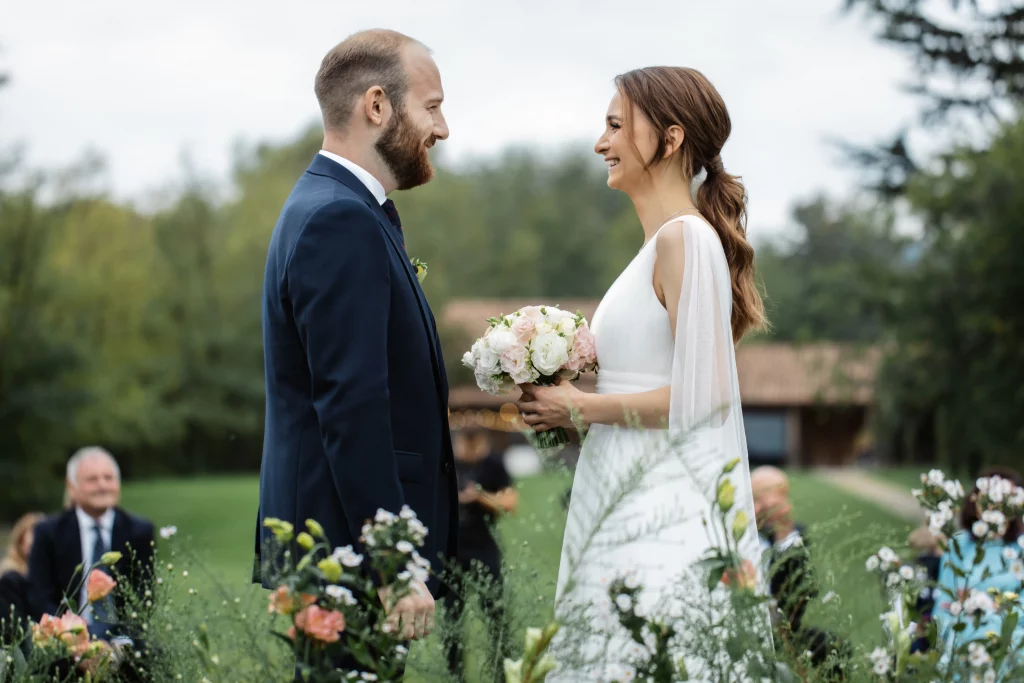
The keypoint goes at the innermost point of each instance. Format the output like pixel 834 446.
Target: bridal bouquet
pixel 534 345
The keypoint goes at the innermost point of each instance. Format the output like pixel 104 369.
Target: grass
pixel 216 516
pixel 905 477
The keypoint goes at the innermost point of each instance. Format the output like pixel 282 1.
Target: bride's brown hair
pixel 676 96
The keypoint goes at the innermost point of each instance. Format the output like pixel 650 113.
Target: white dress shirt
pixel 87 533
pixel 364 176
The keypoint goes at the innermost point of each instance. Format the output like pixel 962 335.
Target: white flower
pixel 401 650
pixel 892 580
pixel 994 518
pixel 936 478
pixel 567 328
pixel 1017 569
pixel 631 580
pixel 369 676
pixel 907 573
pixel 405 547
pixel 1010 553
pixel 955 608
pixel 872 563
pixel 384 517
pixel 549 353
pixel 916 493
pixel 954 489
pixel 516 362
pixel 990 676
pixel 881 661
pixel 341 594
pixel 982 484
pixel 347 557
pixel 501 338
pixel 624 602
pixel 979 602
pixel 980 529
pixel 168 531
pixel 407 513
pixel 886 554
pixel 978 655
pixel 829 597
pixel 416 572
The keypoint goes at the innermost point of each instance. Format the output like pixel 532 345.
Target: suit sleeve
pixel 339 285
pixel 43 596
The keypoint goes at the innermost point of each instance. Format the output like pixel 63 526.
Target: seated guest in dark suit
pixel 791 580
pixel 69 544
pixel 14 607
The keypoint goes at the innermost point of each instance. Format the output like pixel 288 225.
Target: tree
pixel 832 280
pixel 957 365
pixel 969 59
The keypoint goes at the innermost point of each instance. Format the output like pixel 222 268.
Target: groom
pixel 357 398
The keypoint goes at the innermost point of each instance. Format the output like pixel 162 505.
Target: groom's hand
pixel 412 617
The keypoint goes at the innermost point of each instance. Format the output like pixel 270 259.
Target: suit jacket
pixel 14 606
pixel 54 566
pixel 356 392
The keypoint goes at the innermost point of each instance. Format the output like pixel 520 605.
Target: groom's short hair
pixel 355 65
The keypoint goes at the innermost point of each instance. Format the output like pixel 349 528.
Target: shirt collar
pixel 364 176
pixel 106 520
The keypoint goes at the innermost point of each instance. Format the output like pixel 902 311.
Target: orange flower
pixel 282 601
pixel 98 585
pixel 46 630
pixel 69 629
pixel 320 624
pixel 747 576
pixel 96 654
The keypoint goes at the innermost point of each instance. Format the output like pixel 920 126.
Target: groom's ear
pixel 674 137
pixel 376 105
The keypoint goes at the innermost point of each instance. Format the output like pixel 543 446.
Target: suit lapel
pixel 72 568
pixel 323 166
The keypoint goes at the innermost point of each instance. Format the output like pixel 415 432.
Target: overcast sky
pixel 141 81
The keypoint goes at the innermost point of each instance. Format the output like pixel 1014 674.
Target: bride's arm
pixel 545 408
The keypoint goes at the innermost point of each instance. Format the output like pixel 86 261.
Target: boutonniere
pixel 421 269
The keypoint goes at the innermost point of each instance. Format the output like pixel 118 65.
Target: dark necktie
pixel 392 212
pixel 102 610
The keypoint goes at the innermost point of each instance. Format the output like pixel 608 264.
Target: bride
pixel 665 331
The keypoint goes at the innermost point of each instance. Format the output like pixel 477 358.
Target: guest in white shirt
pixel 71 543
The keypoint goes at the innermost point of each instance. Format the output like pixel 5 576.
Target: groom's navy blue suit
pixel 357 397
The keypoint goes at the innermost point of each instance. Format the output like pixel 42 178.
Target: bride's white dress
pixel 658 490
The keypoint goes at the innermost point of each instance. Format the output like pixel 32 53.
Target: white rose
pixel 489 361
pixel 500 338
pixel 980 529
pixel 893 580
pixel 1011 554
pixel 567 328
pixel 544 327
pixel 907 573
pixel 936 478
pixel 982 484
pixel 951 489
pixel 995 494
pixel 549 353
pixel 872 563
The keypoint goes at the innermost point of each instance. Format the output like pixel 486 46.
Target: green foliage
pixel 957 361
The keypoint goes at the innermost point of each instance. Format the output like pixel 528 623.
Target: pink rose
pixel 524 327
pixel 283 602
pixel 98 585
pixel 320 624
pixel 584 348
pixel 70 629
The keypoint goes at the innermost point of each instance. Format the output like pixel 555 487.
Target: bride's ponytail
pixel 722 199
pixel 676 96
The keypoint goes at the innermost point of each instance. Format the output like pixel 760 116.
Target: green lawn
pixel 905 477
pixel 215 518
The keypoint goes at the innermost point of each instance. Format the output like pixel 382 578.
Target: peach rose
pixel 584 349
pixel 524 327
pixel 99 585
pixel 282 601
pixel 320 624
pixel 747 576
pixel 98 652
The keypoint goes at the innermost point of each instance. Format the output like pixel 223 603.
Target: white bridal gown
pixel 658 483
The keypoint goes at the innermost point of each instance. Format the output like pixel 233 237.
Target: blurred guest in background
pixel 926 545
pixel 485 494
pixel 14 600
pixel 982 564
pixel 69 544
pixel 791 581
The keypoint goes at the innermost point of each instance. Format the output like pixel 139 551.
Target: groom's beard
pixel 405 153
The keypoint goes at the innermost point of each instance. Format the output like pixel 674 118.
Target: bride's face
pixel 626 146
